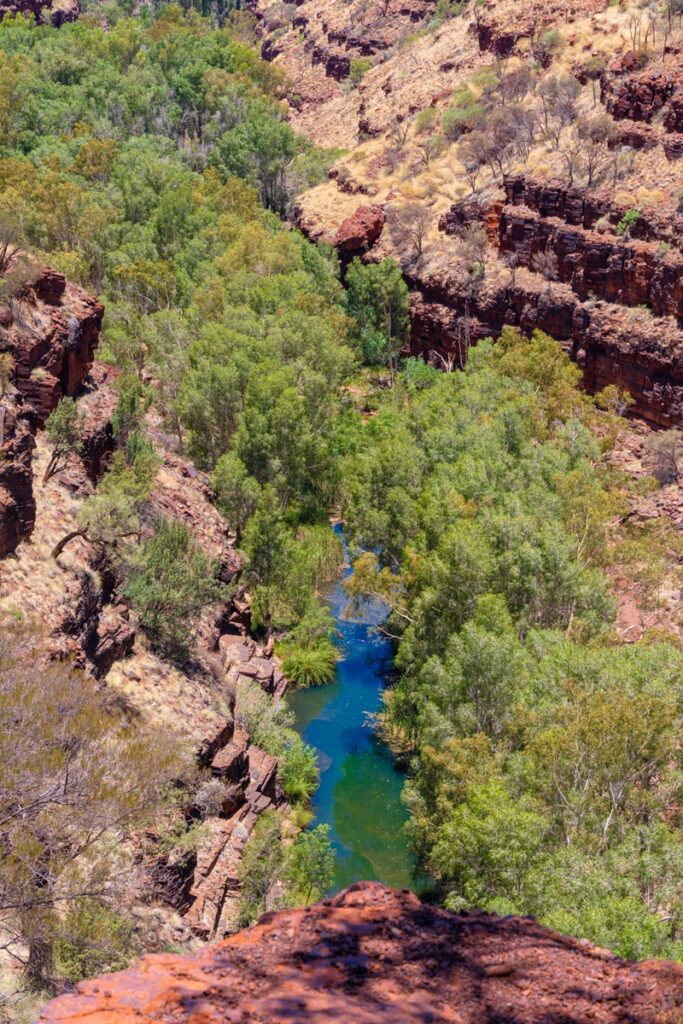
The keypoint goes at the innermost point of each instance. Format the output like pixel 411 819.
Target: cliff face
pixel 17 504
pixel 619 300
pixel 616 299
pixel 374 955
pixel 56 12
pixel 50 329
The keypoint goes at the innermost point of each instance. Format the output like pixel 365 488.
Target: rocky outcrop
pixel 17 503
pixel 331 35
pixel 86 620
pixel 631 91
pixel 249 775
pixel 54 12
pixel 632 349
pixel 359 232
pixel 50 330
pixel 374 955
pixel 633 273
pixel 500 32
pixel 617 307
pixel 584 208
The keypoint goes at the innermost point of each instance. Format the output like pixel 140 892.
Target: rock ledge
pixel 373 955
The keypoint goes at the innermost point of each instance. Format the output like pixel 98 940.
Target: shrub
pixel 93 940
pixel 6 372
pixel 419 374
pixel 359 69
pixel 310 666
pixel 170 581
pixel 426 119
pixel 63 429
pixel 298 772
pixel 457 118
pixel 630 218
pixel 211 797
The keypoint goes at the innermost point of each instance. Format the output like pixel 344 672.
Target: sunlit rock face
pixel 374 955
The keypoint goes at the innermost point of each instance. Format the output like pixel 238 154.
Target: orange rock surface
pixel 374 955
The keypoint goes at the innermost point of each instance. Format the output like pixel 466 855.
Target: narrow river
pixel 360 788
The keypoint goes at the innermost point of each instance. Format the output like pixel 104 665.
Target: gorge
pixel 415 264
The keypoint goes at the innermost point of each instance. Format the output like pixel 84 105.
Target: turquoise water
pixel 360 788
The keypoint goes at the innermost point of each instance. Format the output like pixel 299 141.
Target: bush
pixel 170 581
pixel 630 218
pixel 211 797
pixel 298 772
pixel 419 374
pixel 93 940
pixel 63 428
pixel 426 120
pixel 359 69
pixel 310 666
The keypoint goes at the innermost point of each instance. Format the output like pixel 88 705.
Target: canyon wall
pixel 50 330
pixel 56 12
pixel 617 303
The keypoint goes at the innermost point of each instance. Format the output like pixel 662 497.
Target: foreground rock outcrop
pixel 373 955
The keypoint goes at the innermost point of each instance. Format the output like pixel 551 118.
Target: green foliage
pixel 93 939
pixel 63 428
pixel 170 581
pixel 542 748
pixel 445 10
pixel 237 493
pixel 418 374
pixel 273 876
pixel 311 167
pixel 269 723
pixel 426 120
pixel 630 218
pixel 464 112
pixel 377 300
pixel 298 772
pixel 260 866
pixel 267 544
pixel 359 68
pixel 139 158
pixel 310 865
pixel 309 665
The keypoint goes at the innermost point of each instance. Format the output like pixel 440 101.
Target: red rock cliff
pixel 56 12
pixel 50 329
pixel 373 955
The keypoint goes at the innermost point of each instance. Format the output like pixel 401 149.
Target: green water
pixel 360 787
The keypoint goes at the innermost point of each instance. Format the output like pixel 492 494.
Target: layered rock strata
pixel 50 330
pixel 54 12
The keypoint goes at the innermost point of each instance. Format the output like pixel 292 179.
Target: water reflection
pixel 359 794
